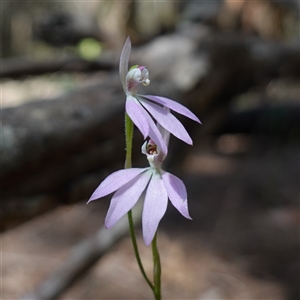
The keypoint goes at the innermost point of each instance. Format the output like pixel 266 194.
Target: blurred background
pixel 235 64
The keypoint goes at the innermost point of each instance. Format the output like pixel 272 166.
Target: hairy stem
pixel 128 140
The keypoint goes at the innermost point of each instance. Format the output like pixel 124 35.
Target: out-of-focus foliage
pixel 89 48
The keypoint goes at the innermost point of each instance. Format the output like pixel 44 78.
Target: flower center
pixel 152 149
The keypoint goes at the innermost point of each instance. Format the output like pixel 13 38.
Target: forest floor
pixel 243 241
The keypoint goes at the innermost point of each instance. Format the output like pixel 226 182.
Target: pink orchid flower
pixel 140 107
pixel 154 183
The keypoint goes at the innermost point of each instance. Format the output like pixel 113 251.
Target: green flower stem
pixel 129 136
pixel 156 269
pixel 136 250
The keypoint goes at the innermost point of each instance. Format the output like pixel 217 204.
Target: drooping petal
pixel 155 206
pixel 164 133
pixel 136 113
pixel 173 105
pixel 167 120
pixel 123 65
pixel 177 193
pixel 156 136
pixel 114 181
pixel 144 122
pixel 126 197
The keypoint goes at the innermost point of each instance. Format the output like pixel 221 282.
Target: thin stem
pixel 136 250
pixel 129 136
pixel 156 269
pixel 128 139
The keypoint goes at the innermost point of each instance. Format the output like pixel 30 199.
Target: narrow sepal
pixel 167 120
pixel 144 122
pixel 177 193
pixel 173 105
pixel 126 197
pixel 137 115
pixel 155 206
pixel 124 60
pixel 114 181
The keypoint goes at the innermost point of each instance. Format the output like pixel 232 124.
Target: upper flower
pixel 137 74
pixel 157 185
pixel 143 108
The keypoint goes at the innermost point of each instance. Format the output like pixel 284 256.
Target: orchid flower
pixel 158 185
pixel 138 107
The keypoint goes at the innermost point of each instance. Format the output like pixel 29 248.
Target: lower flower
pixel 129 185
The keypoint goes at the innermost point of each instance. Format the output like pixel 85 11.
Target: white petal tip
pixel 90 200
pixel 93 198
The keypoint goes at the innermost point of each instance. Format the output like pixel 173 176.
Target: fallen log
pixel 57 127
pixel 18 67
pixel 48 144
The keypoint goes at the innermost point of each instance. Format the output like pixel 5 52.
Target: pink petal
pixel 126 197
pixel 156 136
pixel 144 122
pixel 155 206
pixel 177 193
pixel 164 133
pixel 123 65
pixel 173 105
pixel 167 120
pixel 114 181
pixel 137 114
